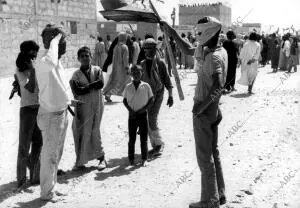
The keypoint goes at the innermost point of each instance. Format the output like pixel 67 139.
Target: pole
pixel 172 59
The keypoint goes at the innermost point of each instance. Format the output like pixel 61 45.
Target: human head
pixel 183 35
pixel 133 38
pixel 136 72
pixel 210 29
pixel 28 52
pixel 253 36
pixel 230 35
pixel 160 38
pixel 122 37
pixel 84 56
pixel 50 32
pixel 108 37
pixel 149 47
pixel 100 39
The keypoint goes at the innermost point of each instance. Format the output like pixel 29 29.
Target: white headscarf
pixel 208 29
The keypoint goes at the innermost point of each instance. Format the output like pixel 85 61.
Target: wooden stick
pixel 171 56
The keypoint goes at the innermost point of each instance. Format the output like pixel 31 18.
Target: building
pixel 189 14
pixel 22 20
pixel 139 29
pixel 249 27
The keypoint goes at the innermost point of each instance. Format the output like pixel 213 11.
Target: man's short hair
pixel 84 49
pixel 137 67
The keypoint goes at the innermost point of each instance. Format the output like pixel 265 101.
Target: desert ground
pixel 258 141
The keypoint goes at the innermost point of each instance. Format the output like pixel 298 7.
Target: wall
pixel 113 28
pixel 189 15
pixel 25 19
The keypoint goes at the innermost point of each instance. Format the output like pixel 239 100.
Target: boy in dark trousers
pixel 137 98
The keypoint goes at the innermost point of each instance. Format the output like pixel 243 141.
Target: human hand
pixel 170 101
pixel 97 84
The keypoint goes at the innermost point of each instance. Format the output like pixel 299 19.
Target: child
pixel 86 84
pixel 137 98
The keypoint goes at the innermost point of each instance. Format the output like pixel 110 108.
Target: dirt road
pixel 259 145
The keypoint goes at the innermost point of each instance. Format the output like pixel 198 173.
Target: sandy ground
pixel 259 145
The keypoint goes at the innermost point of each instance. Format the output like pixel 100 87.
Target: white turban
pixel 208 29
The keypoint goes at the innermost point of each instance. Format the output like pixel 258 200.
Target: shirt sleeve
pixel 217 64
pixel 165 78
pixel 52 54
pixel 150 93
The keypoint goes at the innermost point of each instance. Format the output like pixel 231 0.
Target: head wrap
pixel 122 36
pixel 149 43
pixel 50 32
pixel 209 27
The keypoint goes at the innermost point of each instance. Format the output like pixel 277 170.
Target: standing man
pixel 119 77
pixel 206 112
pixel 249 62
pixel 52 115
pixel 156 75
pixel 233 52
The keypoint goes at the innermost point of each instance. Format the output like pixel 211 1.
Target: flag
pixel 121 10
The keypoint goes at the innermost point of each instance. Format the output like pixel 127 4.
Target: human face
pixel 32 54
pixel 136 74
pixel 150 53
pixel 85 59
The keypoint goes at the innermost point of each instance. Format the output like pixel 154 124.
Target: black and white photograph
pixel 149 104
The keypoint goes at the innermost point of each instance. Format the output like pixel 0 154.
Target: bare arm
pixel 30 86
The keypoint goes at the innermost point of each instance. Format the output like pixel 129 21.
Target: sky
pixel 280 13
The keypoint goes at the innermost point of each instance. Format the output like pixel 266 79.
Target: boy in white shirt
pixel 137 98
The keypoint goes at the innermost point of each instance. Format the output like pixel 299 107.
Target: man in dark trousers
pixel 206 112
pixel 233 51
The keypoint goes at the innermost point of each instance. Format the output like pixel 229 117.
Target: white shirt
pixel 137 98
pixel 52 91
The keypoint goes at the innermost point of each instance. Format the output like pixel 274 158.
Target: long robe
pixel 119 77
pixel 100 55
pixel 250 50
pixel 284 53
pixel 87 119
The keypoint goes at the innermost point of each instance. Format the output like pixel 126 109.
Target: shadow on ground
pixel 241 95
pixel 36 203
pixel 121 168
pixel 8 190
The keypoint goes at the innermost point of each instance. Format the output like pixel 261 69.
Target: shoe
pixel 222 200
pixel 60 172
pixel 131 162
pixel 202 204
pixel 156 150
pixel 102 164
pixel 108 99
pixel 144 163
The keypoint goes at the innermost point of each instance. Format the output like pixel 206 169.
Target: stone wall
pixel 25 19
pixel 189 15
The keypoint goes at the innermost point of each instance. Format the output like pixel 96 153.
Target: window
pixel 73 26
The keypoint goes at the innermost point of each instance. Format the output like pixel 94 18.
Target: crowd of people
pixel 140 73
